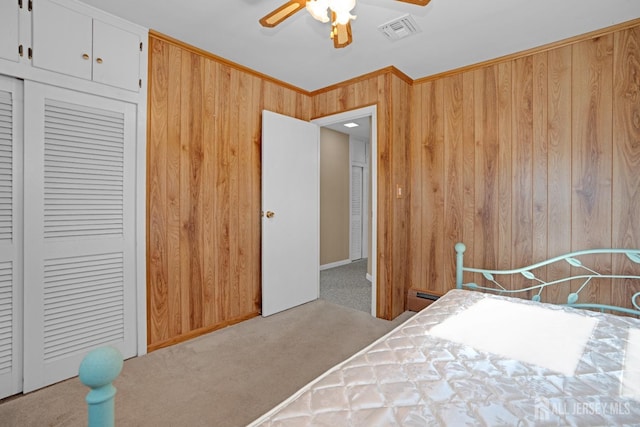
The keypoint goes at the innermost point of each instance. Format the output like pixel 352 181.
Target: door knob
pixel 270 214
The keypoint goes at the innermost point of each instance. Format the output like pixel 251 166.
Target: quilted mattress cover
pixel 581 368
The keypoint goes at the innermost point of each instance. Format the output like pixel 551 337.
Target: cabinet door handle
pixel 99 60
pixel 85 56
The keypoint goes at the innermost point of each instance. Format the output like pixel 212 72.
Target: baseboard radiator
pixel 419 299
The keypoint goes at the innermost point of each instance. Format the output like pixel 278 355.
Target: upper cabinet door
pixel 62 40
pixel 76 44
pixel 116 56
pixel 9 30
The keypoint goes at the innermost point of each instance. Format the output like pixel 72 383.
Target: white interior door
pixel 10 236
pixel 291 212
pixel 79 200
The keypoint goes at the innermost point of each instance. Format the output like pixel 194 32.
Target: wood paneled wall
pixel 390 91
pixel 527 159
pixel 203 197
pixel 522 160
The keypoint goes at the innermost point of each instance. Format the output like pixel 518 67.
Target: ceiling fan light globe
pixel 342 9
pixel 343 18
pixel 318 9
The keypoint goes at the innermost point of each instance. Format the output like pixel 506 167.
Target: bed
pixel 487 358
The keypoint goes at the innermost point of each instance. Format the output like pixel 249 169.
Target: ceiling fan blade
pixel 418 2
pixel 282 13
pixel 341 35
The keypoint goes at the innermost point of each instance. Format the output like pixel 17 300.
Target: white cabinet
pixel 9 30
pixel 76 44
pixel 72 159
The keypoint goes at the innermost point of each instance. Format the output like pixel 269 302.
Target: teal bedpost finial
pixel 460 248
pixel 98 370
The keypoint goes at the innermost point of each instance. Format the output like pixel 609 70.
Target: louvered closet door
pixel 79 230
pixel 356 212
pixel 10 236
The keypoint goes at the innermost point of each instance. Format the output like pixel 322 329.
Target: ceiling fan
pixel 338 12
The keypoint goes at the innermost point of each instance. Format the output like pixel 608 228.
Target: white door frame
pixel 370 111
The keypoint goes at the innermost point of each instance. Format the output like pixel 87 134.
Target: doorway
pixel 363 115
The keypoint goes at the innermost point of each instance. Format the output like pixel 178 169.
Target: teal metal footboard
pixel 585 275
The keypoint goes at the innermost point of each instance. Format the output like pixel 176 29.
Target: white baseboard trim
pixel 335 264
pixel 369 277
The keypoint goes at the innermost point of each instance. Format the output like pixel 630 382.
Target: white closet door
pixel 79 234
pixel 356 212
pixel 10 236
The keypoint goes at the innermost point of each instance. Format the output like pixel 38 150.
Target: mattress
pixel 478 359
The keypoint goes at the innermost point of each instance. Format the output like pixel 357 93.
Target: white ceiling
pixel 362 131
pixel 454 33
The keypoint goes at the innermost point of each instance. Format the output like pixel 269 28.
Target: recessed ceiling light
pixel 351 125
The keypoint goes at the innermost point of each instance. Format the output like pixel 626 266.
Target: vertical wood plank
pixel 190 182
pixel 539 164
pixel 384 211
pixel 626 158
pixel 173 225
pixel 415 187
pixel 400 95
pixel 217 203
pixel 255 169
pixel 504 172
pixel 433 197
pixel 559 166
pixel 522 167
pixel 233 171
pixel 210 309
pixel 469 148
pixel 221 188
pixel 486 166
pixel 453 175
pixel 157 264
pixel 423 93
pixel 592 153
pixel 185 199
pixel 246 213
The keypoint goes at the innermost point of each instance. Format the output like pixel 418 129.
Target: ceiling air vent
pixel 400 28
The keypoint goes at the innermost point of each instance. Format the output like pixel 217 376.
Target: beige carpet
pixel 347 285
pixel 226 378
